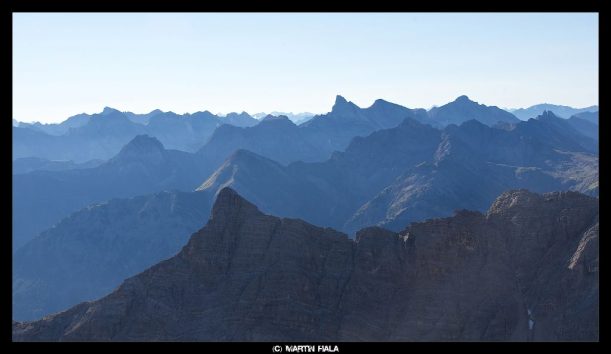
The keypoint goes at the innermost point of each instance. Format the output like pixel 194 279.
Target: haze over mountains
pixel 247 276
pixel 100 136
pixel 296 118
pixel 82 225
pixel 86 137
pixel 559 110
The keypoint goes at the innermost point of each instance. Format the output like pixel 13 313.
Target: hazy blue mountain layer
pixel 559 110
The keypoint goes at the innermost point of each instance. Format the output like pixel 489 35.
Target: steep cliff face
pixel 526 270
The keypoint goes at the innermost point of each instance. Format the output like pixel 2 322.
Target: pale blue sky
pixel 65 64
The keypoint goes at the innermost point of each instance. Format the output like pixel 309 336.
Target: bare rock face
pixel 527 270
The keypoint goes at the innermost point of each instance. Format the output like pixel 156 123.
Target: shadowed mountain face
pixel 42 198
pixel 463 109
pixel 247 276
pixel 560 111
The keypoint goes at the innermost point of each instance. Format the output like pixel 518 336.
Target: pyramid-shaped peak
pixel 141 145
pixel 229 205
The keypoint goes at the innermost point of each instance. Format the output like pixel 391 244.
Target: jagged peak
pixel 339 99
pixel 547 115
pixel 342 105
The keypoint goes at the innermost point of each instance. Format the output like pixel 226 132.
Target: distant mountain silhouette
pixel 296 118
pixel 59 128
pixel 463 109
pixel 274 137
pixel 100 136
pixel 42 198
pixel 559 110
pixel 346 120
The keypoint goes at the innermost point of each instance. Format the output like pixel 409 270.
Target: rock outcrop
pixel 525 270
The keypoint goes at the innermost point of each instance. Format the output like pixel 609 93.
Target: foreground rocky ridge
pixel 525 270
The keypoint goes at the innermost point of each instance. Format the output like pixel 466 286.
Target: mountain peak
pixel 342 105
pixel 463 99
pixel 340 100
pixel 145 141
pixel 547 115
pixel 108 110
pixel 142 147
pixel 230 205
pixel 154 112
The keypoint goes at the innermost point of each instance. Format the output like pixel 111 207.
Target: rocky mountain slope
pixel 527 270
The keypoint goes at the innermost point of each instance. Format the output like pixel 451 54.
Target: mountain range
pixel 296 118
pixel 41 198
pixel 82 226
pixel 403 174
pixel 559 110
pixel 390 178
pixel 526 270
pixel 100 136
